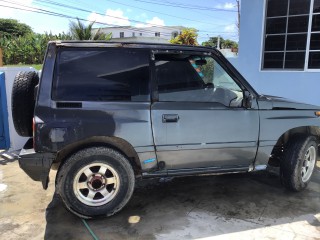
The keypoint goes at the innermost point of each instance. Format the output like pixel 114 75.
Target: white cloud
pixel 230 28
pixel 155 21
pixel 112 17
pixel 7 12
pixel 226 6
pixel 143 15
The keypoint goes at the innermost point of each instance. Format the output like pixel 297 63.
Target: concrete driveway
pixel 242 206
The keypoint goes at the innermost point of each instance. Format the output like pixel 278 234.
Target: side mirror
pixel 247 99
pixel 201 62
pixel 208 85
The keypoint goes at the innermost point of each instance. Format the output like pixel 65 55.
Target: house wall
pixel 16 141
pixel 5 137
pixel 147 32
pixel 297 85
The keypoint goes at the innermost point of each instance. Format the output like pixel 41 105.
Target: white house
pixel 279 47
pixel 157 34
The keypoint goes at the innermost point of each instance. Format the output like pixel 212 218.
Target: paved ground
pixel 243 206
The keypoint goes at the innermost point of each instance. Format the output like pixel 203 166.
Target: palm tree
pixel 81 32
pixel 188 36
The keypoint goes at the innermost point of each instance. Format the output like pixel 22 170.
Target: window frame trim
pixel 309 32
pixel 154 80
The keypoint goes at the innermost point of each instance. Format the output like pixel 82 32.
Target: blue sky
pixel 210 17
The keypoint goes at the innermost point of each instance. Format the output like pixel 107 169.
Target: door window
pixel 193 78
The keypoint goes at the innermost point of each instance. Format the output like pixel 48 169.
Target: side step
pixel 194 171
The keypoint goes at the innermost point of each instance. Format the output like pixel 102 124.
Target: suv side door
pixel 198 119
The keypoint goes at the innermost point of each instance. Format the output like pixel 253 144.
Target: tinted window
pixel 316 6
pixel 296 42
pixel 298 24
pixel 299 7
pixel 286 34
pixel 276 25
pixel 274 43
pixel 273 60
pixel 315 41
pixel 102 75
pixel 190 78
pixel 277 8
pixel 315 23
pixel 295 60
pixel 314 60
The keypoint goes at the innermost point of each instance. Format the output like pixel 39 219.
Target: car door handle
pixel 170 118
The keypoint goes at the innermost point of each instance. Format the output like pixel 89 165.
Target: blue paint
pixel 149 160
pixel 4 124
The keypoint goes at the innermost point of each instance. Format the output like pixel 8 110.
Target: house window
pixel 140 34
pixel 174 34
pixel 157 34
pixel 292 35
pixel 133 34
pixel 121 34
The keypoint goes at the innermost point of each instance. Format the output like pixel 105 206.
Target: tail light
pixel 36 120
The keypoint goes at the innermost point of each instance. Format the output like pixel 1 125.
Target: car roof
pixel 155 46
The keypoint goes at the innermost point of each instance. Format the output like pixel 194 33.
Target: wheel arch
pixel 286 136
pixel 115 143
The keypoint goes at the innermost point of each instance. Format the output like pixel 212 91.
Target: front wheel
pixel 95 182
pixel 298 163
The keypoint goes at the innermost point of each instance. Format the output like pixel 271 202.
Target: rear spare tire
pixel 23 101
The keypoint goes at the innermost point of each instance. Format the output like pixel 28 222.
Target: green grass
pixel 36 66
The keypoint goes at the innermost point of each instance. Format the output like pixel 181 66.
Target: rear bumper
pixel 36 165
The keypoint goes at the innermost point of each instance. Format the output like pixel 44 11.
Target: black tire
pixel 73 198
pixel 293 161
pixel 23 101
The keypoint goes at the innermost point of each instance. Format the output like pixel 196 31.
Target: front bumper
pixel 36 165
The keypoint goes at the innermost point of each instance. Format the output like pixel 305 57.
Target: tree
pixel 188 36
pixel 212 42
pixel 28 49
pixel 13 28
pixel 224 43
pixel 81 32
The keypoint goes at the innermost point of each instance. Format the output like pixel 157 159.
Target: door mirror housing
pixel 247 99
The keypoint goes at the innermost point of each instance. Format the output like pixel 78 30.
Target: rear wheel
pixel 298 163
pixel 95 182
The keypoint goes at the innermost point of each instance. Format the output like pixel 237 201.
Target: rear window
pixel 102 75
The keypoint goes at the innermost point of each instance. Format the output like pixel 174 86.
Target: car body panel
pixel 206 135
pixel 208 138
pixel 278 116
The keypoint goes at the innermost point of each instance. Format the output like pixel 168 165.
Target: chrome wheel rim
pixel 308 163
pixel 96 184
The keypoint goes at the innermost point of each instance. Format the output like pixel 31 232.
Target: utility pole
pixel 1 56
pixel 238 24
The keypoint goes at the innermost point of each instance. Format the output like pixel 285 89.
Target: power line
pixel 186 6
pixel 102 14
pixel 39 10
pixel 193 20
pixel 204 13
pixel 51 13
